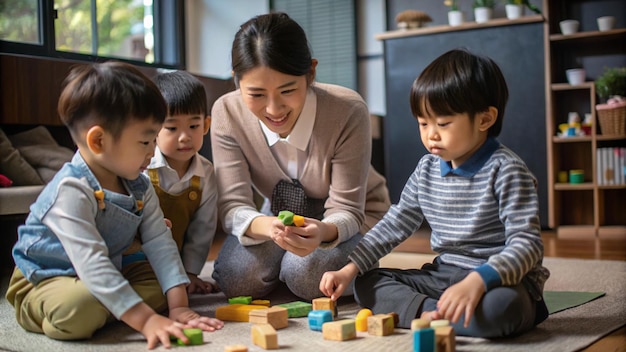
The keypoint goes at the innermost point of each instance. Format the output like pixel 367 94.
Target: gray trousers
pixel 503 311
pixel 257 270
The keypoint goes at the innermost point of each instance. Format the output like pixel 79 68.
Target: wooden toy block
pixel 276 316
pixel 424 339
pixel 236 312
pixel 440 322
pixel 240 300
pixel 288 218
pixel 317 318
pixel 417 324
pixel 445 339
pixel 194 336
pixel 340 330
pixel 395 317
pixel 261 302
pixel 236 348
pixel 380 325
pixel 297 309
pixel 325 303
pixel 361 319
pixel 264 336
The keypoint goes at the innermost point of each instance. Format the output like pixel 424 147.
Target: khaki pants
pixel 62 308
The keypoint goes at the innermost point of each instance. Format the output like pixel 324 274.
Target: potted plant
pixel 455 17
pixel 611 87
pixel 483 10
pixel 515 8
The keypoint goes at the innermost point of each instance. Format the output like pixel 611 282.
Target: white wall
pixel 210 29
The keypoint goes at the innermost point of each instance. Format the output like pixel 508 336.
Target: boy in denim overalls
pixel 72 275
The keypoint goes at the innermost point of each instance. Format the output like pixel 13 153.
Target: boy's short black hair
pixel 183 92
pixel 108 94
pixel 460 82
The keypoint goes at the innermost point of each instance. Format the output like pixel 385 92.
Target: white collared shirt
pixel 291 152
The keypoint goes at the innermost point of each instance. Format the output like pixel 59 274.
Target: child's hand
pixel 197 285
pixel 158 328
pixel 462 297
pixel 333 283
pixel 192 319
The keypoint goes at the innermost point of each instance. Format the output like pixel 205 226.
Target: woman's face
pixel 274 97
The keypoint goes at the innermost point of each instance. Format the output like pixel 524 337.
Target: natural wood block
pixel 340 330
pixel 440 322
pixel 361 319
pixel 264 336
pixel 396 318
pixel 417 324
pixel 236 312
pixel 236 348
pixel 325 303
pixel 297 309
pixel 445 339
pixel 380 325
pixel 276 316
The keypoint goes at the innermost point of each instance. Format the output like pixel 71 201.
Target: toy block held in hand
pixel 236 312
pixel 288 218
pixel 325 303
pixel 275 316
pixel 317 318
pixel 340 330
pixel 361 319
pixel 236 348
pixel 240 300
pixel 380 325
pixel 297 309
pixel 194 336
pixel 264 336
pixel 445 339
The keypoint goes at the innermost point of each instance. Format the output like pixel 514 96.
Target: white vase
pixel 483 14
pixel 455 18
pixel 514 11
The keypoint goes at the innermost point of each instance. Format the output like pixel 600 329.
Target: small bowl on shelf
pixel 569 26
pixel 575 76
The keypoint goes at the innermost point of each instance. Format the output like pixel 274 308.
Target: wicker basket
pixel 612 118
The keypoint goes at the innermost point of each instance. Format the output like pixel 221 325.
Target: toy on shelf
pixel 288 218
pixel 574 126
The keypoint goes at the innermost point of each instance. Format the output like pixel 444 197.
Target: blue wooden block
pixel 424 340
pixel 318 317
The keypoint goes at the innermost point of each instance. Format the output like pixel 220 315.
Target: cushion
pixel 13 166
pixel 41 151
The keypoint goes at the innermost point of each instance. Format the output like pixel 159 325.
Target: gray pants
pixel 503 311
pixel 257 270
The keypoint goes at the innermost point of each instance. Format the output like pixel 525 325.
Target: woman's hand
pixel 301 241
pixel 333 283
pixel 462 297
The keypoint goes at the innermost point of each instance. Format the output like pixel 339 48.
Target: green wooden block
pixel 240 300
pixel 194 335
pixel 297 309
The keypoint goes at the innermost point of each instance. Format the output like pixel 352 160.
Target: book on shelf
pixel 611 166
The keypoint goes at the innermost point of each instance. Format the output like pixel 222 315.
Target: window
pixel 330 27
pixel 140 31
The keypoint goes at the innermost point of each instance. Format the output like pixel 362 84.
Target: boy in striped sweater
pixel 481 202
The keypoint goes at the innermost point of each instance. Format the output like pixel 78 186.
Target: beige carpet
pixel 568 330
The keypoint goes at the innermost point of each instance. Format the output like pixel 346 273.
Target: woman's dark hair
pixel 183 92
pixel 110 95
pixel 460 82
pixel 272 40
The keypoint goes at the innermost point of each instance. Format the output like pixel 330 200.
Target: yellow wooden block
pixel 236 312
pixel 380 325
pixel 236 348
pixel 264 336
pixel 340 330
pixel 261 302
pixel 275 316
pixel 361 319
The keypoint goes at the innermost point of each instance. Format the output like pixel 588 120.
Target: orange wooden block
pixel 325 303
pixel 340 330
pixel 361 319
pixel 236 312
pixel 380 325
pixel 264 336
pixel 236 348
pixel 261 302
pixel 275 316
pixel 445 339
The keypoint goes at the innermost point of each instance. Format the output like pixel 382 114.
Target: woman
pixel 303 147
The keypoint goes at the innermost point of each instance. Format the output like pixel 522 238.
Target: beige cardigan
pixel 338 167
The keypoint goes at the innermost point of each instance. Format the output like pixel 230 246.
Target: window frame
pixel 168 45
